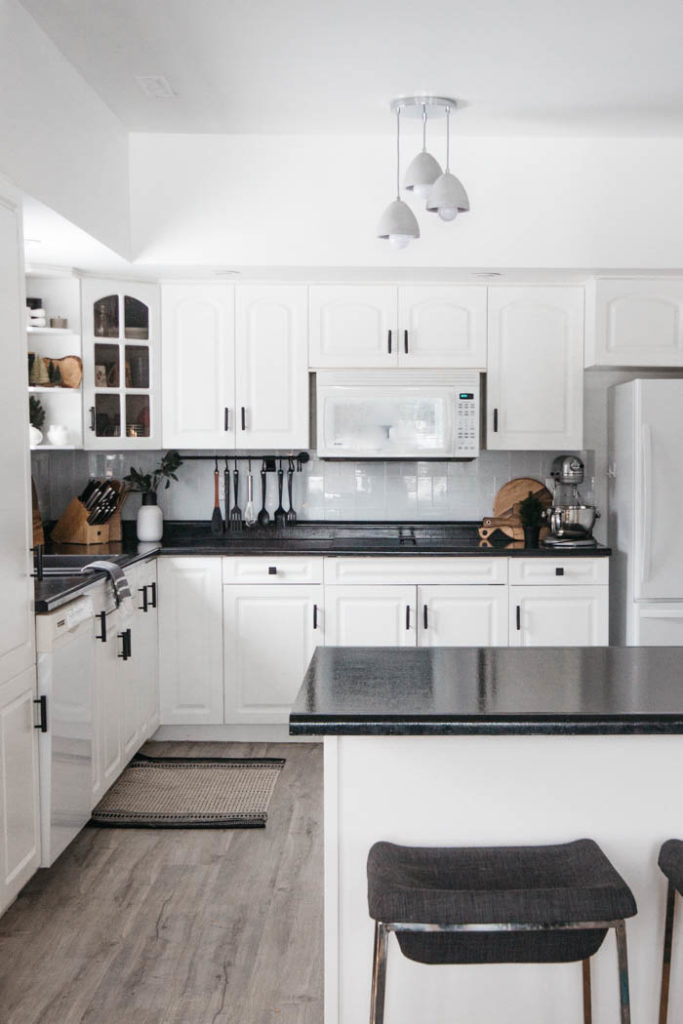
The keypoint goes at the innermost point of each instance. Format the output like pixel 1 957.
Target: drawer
pixel 560 571
pixel 413 569
pixel 272 569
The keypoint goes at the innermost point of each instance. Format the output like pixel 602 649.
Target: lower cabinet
pixel 559 616
pixel 462 616
pixel 19 799
pixel 270 633
pixel 370 616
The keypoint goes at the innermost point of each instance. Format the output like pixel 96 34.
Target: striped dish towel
pixel 116 575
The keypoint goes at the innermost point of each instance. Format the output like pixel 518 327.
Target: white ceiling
pixel 610 67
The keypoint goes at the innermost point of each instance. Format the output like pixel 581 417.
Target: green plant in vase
pixel 36 414
pixel 150 523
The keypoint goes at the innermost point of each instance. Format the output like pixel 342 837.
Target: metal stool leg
pixel 379 974
pixel 624 1001
pixel 586 978
pixel 666 959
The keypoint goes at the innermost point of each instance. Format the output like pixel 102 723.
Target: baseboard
pixel 234 733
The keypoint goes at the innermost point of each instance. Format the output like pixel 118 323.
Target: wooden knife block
pixel 73 527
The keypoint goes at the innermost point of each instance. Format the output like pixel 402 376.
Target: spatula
pixel 216 518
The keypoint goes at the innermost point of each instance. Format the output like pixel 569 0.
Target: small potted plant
pixel 150 521
pixel 36 414
pixel 531 518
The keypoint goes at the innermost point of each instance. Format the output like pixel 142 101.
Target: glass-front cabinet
pixel 121 365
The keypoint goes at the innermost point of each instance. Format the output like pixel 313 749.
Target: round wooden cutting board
pixel 506 501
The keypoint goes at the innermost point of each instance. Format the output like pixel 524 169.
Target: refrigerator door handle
pixel 646 522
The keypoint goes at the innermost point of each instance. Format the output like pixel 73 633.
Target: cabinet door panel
pixel 271 368
pixel 558 616
pixel 198 325
pixel 109 705
pixel 370 616
pixel 635 322
pixel 270 635
pixel 19 808
pixel 535 368
pixel 190 641
pixel 143 663
pixel 462 616
pixel 353 325
pixel 442 326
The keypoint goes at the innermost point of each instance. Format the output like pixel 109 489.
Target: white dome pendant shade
pixel 448 197
pixel 398 224
pixel 423 170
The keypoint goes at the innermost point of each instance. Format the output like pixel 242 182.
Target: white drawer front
pixel 409 569
pixel 559 571
pixel 272 569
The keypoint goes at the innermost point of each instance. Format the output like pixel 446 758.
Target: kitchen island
pixel 483 746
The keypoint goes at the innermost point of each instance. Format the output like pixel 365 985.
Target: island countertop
pixel 493 690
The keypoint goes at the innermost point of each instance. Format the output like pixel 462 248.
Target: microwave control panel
pixel 467 424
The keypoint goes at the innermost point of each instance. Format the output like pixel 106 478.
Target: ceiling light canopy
pixel 443 192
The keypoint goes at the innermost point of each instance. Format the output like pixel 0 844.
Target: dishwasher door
pixel 66 678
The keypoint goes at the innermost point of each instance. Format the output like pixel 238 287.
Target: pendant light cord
pixel 424 128
pixel 398 152
pixel 448 139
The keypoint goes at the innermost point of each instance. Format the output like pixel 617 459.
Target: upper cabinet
pixel 388 326
pixel 634 322
pixel 120 365
pixel 234 368
pixel 535 368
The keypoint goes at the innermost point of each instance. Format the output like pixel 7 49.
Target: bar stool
pixel 671 863
pixel 497 904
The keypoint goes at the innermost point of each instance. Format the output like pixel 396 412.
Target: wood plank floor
pixel 178 927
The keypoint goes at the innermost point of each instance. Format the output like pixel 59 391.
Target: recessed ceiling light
pixel 155 86
pixel 487 273
pixel 226 273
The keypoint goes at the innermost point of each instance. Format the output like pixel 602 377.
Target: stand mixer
pixel 570 520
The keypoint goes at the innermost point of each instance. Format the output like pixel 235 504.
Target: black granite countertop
pixel 494 690
pixel 53 592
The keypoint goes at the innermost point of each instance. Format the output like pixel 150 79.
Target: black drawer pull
pixel 559 571
pixel 495 421
pixel 425 617
pixel 272 570
pixel 153 588
pixel 244 418
pixel 389 342
pixel 145 603
pixel 519 617
pixel 315 616
pixel 102 635
pixel 42 724
pixel 126 646
pixel 226 420
pixel 405 342
pixel 407 616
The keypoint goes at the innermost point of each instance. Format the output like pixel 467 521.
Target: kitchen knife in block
pixel 216 518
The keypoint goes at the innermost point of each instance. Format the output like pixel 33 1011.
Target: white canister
pixel 150 521
pixel 57 434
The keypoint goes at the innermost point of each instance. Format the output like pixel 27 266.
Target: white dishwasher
pixel 66 673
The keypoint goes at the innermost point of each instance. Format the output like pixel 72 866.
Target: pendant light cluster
pixel 441 190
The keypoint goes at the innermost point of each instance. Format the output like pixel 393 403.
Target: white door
pixel 190 640
pixel 370 616
pixel 121 365
pixel 462 616
pixel 559 616
pixel 535 368
pixel 271 395
pixel 270 635
pixel 198 389
pixel 353 325
pixel 658 625
pixel 442 326
pixel 634 322
pixel 19 806
pixel 17 633
pixel 658 489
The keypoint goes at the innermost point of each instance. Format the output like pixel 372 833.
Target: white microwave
pixel 397 414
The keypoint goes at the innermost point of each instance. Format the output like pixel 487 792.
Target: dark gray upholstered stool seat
pixel 501 904
pixel 671 863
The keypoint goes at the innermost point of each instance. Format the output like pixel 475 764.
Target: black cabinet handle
pixel 407 616
pixel 495 421
pixel 102 635
pixel 145 603
pixel 226 420
pixel 244 418
pixel 425 617
pixel 126 645
pixel 389 342
pixel 153 588
pixel 129 643
pixel 272 570
pixel 559 570
pixel 405 342
pixel 42 724
pixel 315 616
pixel 519 616
pixel 92 418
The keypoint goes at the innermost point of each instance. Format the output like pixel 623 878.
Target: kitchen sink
pixel 71 565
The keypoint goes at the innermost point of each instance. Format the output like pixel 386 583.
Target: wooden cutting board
pixel 506 502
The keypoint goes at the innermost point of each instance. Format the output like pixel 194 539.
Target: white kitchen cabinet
pixel 19 801
pixel 559 616
pixel 139 670
pixel 108 760
pixel 535 368
pixel 270 633
pixel 634 322
pixel 462 616
pixel 198 367
pixel 389 326
pixel 121 365
pixel 271 371
pixel 370 616
pixel 190 640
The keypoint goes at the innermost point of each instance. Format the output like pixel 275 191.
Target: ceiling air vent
pixel 155 86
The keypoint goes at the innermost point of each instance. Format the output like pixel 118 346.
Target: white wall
pixel 315 201
pixel 60 143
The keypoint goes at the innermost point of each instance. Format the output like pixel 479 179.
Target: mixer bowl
pixel 574 521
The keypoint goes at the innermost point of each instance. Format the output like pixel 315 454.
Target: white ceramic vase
pixel 150 521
